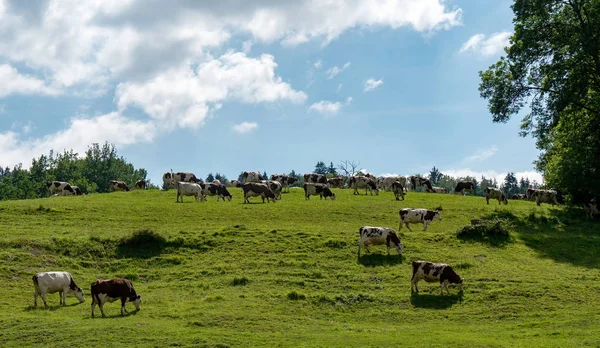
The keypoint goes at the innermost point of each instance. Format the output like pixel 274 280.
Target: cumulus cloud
pixel 81 132
pixel 332 72
pixel 493 45
pixel 15 83
pixel 371 84
pixel 482 154
pixel 245 127
pixel 326 107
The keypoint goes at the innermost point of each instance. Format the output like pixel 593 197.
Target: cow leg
pixel 487 200
pixel 424 225
pixel 123 302
pixel 93 305
pixel 43 296
pixel 35 296
pixel 367 249
pixel 101 305
pixel 413 284
pixel 388 248
pixel 407 226
pixel 359 246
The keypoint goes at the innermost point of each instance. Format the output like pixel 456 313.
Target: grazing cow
pixel 494 193
pixel 336 182
pixel 117 185
pixel 464 186
pixel 275 186
pixel 398 190
pixel 438 189
pixel 545 196
pixel 423 216
pixel 591 208
pixel 215 189
pixel 60 188
pixel 363 182
pixel 189 189
pixel 251 177
pixel 77 191
pixel 386 183
pixel 170 179
pixel 517 196
pixel 434 272
pixel 140 184
pixel 284 180
pixel 315 178
pixel 255 189
pixel 110 290
pixel 377 236
pixel 417 181
pixel 322 190
pixel 51 282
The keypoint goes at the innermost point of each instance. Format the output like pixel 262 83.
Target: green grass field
pixel 287 274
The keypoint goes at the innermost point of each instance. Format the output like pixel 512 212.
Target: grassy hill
pixel 287 274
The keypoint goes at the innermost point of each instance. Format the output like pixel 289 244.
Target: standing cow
pixel 423 216
pixel 215 188
pixel 252 177
pixel 140 184
pixel 59 188
pixel 363 182
pixel 545 196
pixel 434 272
pixel 170 179
pixel 117 185
pixel 284 180
pixel 591 208
pixel 494 193
pixel 336 182
pixel 51 282
pixel 254 189
pixel 464 186
pixel 417 181
pixel 275 186
pixel 111 290
pixel 315 178
pixel 369 235
pixel 398 190
pixel 321 190
pixel 189 189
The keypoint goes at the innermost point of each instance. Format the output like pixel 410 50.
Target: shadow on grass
pixel 99 316
pixel 563 235
pixel 435 301
pixel 373 260
pixel 51 307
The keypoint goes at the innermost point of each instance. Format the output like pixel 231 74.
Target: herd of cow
pixel 253 184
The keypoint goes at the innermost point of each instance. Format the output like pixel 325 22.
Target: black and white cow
pixel 434 272
pixel 189 189
pixel 315 178
pixel 370 235
pixel 215 189
pixel 284 180
pixel 423 216
pixel 398 190
pixel 591 208
pixel 59 188
pixel 321 190
pixel 464 186
pixel 111 290
pixel 275 186
pixel 170 179
pixel 530 194
pixel 545 196
pixel 385 183
pixel 117 185
pixel 251 177
pixel 494 193
pixel 363 182
pixel 140 184
pixel 336 182
pixel 416 181
pixel 77 191
pixel 51 282
pixel 257 189
pixel 518 196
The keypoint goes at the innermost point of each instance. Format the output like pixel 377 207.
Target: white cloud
pixel 491 46
pixel 15 83
pixel 482 154
pixel 349 100
pixel 339 87
pixel 245 127
pixel 332 72
pixel 492 174
pixel 183 97
pixel 326 107
pixel 247 46
pixel 318 64
pixel 81 132
pixel 371 84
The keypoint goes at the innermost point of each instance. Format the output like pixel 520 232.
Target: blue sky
pixel 266 85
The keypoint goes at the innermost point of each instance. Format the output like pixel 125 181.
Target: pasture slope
pixel 287 274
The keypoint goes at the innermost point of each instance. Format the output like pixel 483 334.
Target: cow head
pixel 79 294
pixel 137 301
pixel 503 199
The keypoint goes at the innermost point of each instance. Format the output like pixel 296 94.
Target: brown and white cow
pixel 464 186
pixel 321 190
pixel 315 178
pixel 545 196
pixel 398 190
pixel 438 189
pixel 370 235
pixel 111 290
pixel 140 184
pixel 494 193
pixel 189 189
pixel 275 186
pixel 434 272
pixel 284 180
pixel 422 216
pixel 51 282
pixel 257 189
pixel 336 182
pixel 251 177
pixel 363 182
pixel 117 185
pixel 417 181
pixel 59 188
pixel 518 196
pixel 215 189
pixel 170 178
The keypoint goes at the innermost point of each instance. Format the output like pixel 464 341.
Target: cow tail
pixel 415 267
pixel 36 283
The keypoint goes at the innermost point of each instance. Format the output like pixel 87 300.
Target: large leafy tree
pixel 552 66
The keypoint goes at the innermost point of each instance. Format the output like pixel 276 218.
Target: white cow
pixel 370 235
pixel 385 183
pixel 189 189
pixel 423 216
pixel 494 193
pixel 51 282
pixel 545 196
pixel 438 189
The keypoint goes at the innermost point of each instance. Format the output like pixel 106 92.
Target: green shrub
pixel 494 232
pixel 240 281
